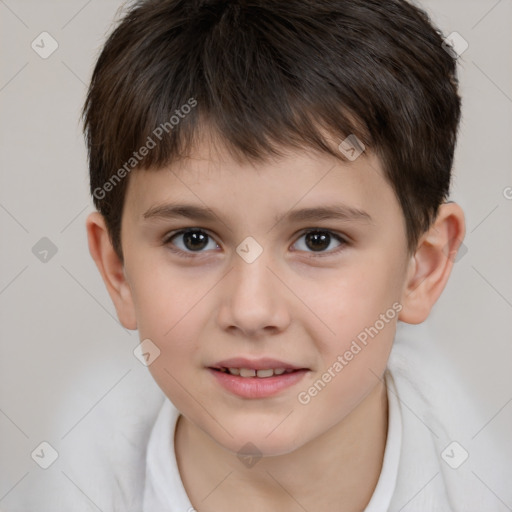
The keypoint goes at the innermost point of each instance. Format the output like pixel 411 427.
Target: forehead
pixel 211 178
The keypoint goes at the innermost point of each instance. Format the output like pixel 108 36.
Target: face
pixel 249 273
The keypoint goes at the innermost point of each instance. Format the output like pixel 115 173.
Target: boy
pixel 271 180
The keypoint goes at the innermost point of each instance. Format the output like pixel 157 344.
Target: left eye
pixel 318 240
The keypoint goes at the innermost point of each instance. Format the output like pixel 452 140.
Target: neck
pixel 336 471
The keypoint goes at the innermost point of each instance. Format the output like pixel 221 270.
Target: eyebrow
pixel 200 213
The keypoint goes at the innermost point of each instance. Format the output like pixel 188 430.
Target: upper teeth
pixel 248 372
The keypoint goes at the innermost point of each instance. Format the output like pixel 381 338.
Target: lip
pixel 264 363
pixel 255 387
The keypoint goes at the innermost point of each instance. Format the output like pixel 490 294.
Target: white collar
pixel 164 490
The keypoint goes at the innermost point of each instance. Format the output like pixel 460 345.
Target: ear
pixel 111 269
pixel 431 265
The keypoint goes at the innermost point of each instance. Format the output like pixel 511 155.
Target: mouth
pixel 256 378
pixel 260 368
pixel 248 373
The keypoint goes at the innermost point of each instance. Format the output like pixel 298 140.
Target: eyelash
pixel 167 242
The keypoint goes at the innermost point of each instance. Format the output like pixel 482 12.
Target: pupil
pixel 195 240
pixel 317 240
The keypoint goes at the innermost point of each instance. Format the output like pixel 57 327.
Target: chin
pixel 251 438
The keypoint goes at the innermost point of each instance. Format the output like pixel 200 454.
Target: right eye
pixel 190 241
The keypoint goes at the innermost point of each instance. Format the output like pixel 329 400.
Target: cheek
pixel 170 319
pixel 352 302
pixel 362 310
pixel 363 315
pixel 163 296
pixel 169 307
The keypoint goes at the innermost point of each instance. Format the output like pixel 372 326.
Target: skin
pixel 292 303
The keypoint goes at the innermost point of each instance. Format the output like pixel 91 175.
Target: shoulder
pixel 101 462
pixel 445 455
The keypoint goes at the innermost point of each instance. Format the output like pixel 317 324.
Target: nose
pixel 254 299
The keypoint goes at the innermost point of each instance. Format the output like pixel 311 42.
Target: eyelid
pixel 342 237
pixel 168 236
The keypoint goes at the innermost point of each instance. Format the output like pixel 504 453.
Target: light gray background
pixel 60 338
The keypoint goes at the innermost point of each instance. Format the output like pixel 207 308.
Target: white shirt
pixel 108 462
pixel 164 490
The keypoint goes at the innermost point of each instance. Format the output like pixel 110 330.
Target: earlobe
pixel 432 263
pixel 111 269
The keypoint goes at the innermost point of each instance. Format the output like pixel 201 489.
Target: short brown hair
pixel 264 74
